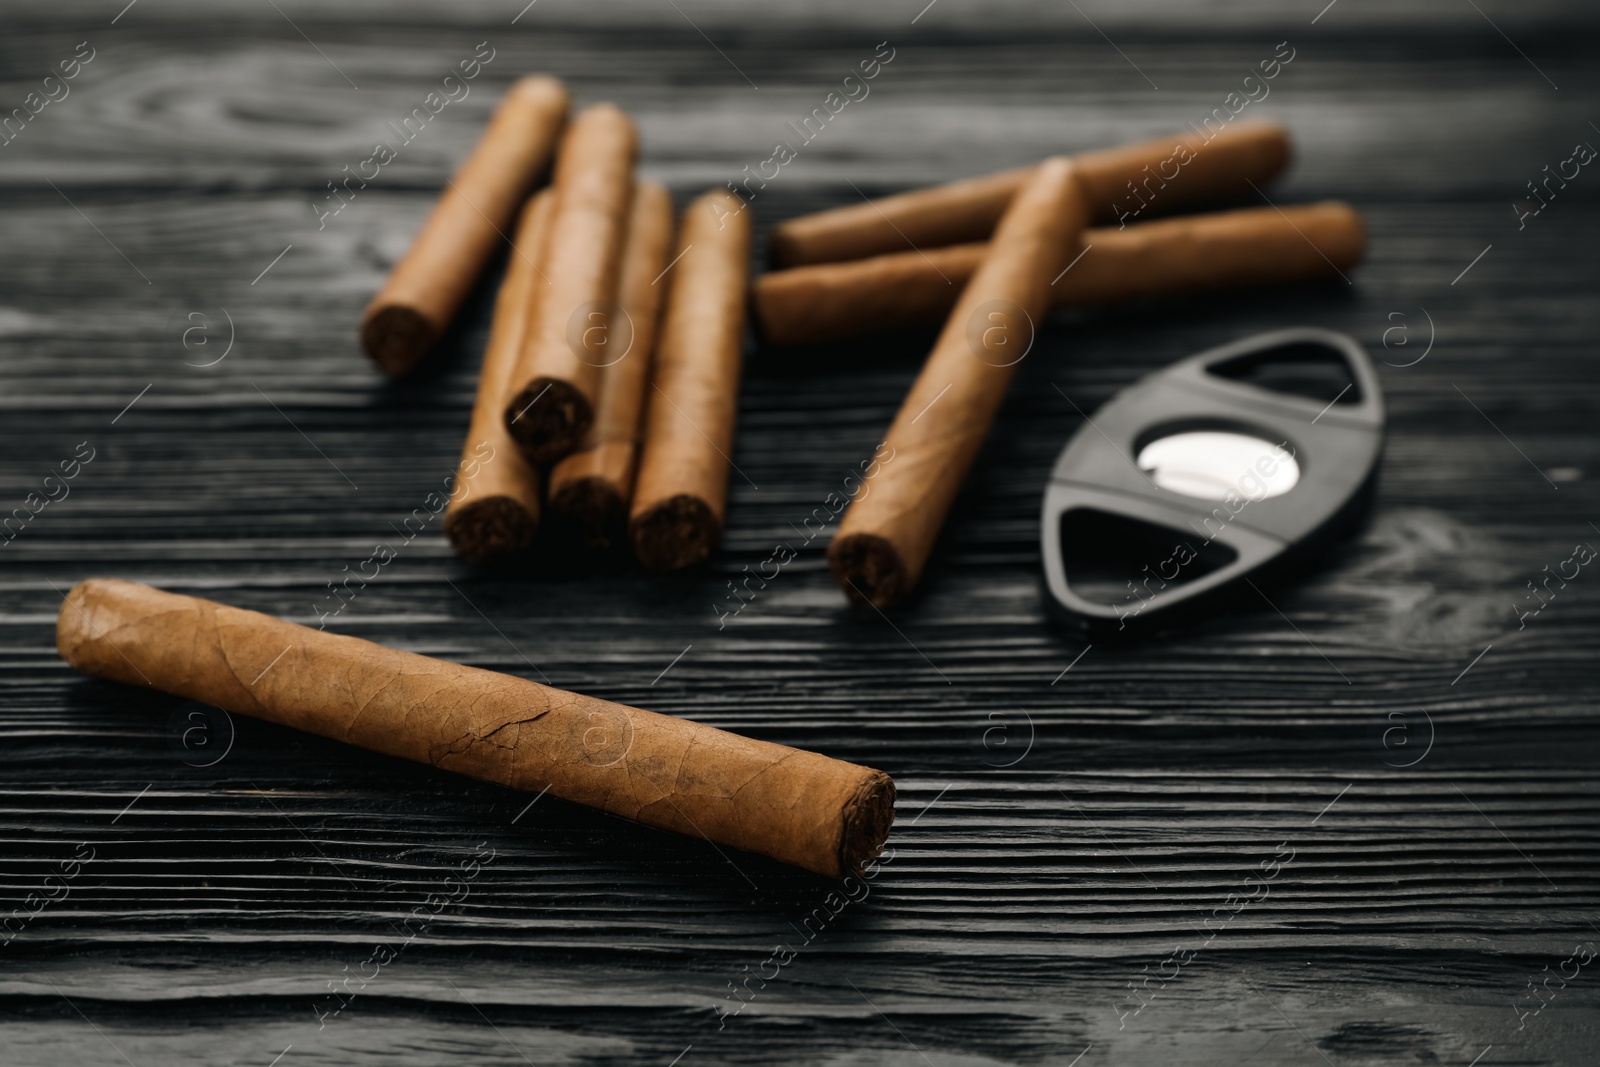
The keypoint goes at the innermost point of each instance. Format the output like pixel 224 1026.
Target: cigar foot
pixel 594 506
pixel 868 569
pixel 868 814
pixel 489 528
pixel 678 532
pixel 396 337
pixel 548 418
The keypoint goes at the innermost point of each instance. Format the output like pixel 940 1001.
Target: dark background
pixel 1145 784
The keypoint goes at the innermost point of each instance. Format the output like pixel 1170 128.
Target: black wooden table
pixel 1409 765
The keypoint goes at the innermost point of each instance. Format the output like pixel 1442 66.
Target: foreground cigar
pixel 494 507
pixel 565 346
pixel 799 807
pixel 1118 184
pixel 681 498
pixel 414 307
pixel 591 488
pixel 886 535
pixel 1254 246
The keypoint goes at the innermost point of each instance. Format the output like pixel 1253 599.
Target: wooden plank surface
pixel 1063 833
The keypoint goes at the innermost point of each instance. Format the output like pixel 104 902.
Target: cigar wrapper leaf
pixel 429 283
pixel 494 505
pixel 888 532
pixel 592 487
pixel 1249 247
pixel 680 501
pixel 558 372
pixel 799 807
pixel 1168 173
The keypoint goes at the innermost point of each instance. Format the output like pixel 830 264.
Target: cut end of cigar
pixel 676 533
pixel 595 508
pixel 489 528
pixel 548 418
pixel 396 337
pixel 868 569
pixel 868 814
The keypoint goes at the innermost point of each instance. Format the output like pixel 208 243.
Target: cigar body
pixel 1164 174
pixel 564 349
pixel 426 288
pixel 681 497
pixel 591 488
pixel 800 807
pixel 887 534
pixel 494 506
pixel 1252 246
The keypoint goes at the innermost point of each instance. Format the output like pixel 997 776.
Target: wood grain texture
pixel 1059 834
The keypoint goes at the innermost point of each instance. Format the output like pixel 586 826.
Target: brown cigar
pixel 887 533
pixel 822 814
pixel 591 488
pixel 1118 183
pixel 565 346
pixel 679 503
pixel 494 506
pixel 1253 246
pixel 424 291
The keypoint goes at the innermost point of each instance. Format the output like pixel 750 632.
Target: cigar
pixel 887 533
pixel 1252 246
pixel 681 498
pixel 800 807
pixel 591 488
pixel 1118 183
pixel 564 349
pixel 426 288
pixel 494 506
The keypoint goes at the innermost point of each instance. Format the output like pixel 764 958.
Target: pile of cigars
pixel 611 376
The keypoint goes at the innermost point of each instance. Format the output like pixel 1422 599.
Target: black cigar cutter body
pixel 1230 468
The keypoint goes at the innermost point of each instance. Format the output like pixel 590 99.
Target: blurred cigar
pixel 591 487
pixel 681 498
pixel 822 814
pixel 888 532
pixel 562 354
pixel 494 506
pixel 1253 246
pixel 1119 184
pixel 426 288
